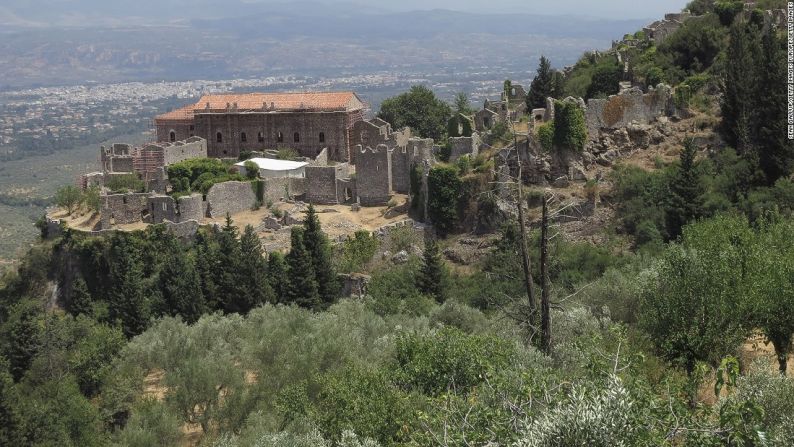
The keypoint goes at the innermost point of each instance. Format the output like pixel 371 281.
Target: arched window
pixel 260 137
pixel 296 137
pixel 322 137
pixel 280 137
pixel 219 137
pixel 243 137
pixel 172 136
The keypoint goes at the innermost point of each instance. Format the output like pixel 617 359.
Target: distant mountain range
pixel 199 39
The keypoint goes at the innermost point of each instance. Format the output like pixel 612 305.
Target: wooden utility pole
pixel 545 307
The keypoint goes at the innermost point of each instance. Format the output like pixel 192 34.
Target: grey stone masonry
pixel 120 209
pixel 322 183
pixel 373 175
pixel 630 106
pixel 230 197
pixel 461 146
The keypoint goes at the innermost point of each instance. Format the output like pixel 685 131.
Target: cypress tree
pixel 278 276
pixel 180 285
pixel 740 86
pixel 302 286
pixel 685 189
pixel 253 272
pixel 129 304
pixel 206 267
pixel 320 251
pixel 433 277
pixel 9 418
pixel 776 151
pixel 81 302
pixel 542 86
pixel 228 278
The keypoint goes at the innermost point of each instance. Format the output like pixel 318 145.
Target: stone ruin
pixel 631 106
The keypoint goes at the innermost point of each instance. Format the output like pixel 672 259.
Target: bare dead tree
pixel 528 282
pixel 545 305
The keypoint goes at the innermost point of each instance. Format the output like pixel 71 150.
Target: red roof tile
pixel 309 101
pixel 181 114
pixel 313 101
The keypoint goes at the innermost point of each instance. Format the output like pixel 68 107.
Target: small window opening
pixel 280 137
pixel 296 137
pixel 172 136
pixel 260 137
pixel 243 137
pixel 219 137
pixel 322 137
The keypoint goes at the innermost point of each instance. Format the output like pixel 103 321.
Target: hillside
pixel 608 261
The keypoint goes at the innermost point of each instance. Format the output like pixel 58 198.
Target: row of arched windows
pixel 296 137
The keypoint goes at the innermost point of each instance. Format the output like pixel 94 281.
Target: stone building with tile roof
pixel 232 123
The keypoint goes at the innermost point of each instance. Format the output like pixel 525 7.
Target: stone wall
pixel 162 207
pixel 373 175
pixel 461 146
pixel 632 105
pixel 403 160
pixel 192 207
pixel 176 152
pixel 276 130
pixel 321 185
pixel 486 119
pixel 321 159
pixel 346 190
pixel 123 209
pixel 279 188
pixel 230 197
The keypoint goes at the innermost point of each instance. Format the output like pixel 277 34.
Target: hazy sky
pixel 619 9
pixel 85 12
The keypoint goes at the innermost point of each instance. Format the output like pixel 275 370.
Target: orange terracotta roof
pixel 313 101
pixel 181 114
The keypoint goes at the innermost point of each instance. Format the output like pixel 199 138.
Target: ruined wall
pixel 373 175
pixel 329 185
pixel 403 159
pixel 346 190
pixel 120 209
pixel 461 146
pixel 485 119
pixel 162 208
pixel 194 147
pixel 632 105
pixel 321 185
pixel 279 188
pixel 268 125
pixel 157 182
pixel 230 197
pixel 322 158
pixel 192 207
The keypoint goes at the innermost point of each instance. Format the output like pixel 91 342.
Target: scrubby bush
pixel 546 136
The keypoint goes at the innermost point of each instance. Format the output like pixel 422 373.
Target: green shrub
pixel 357 251
pixel 287 154
pixel 251 170
pixel 444 191
pixel 570 129
pixel 125 183
pixel 435 362
pixel 546 136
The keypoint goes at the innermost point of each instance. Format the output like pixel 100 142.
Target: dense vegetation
pixel 153 337
pixel 418 109
pixel 198 175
